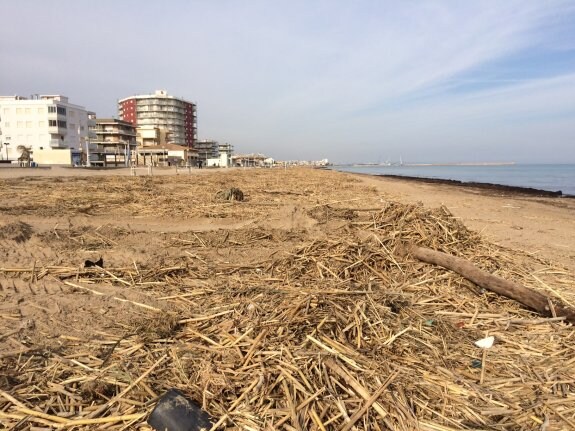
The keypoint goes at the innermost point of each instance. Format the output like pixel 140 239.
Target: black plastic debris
pixel 174 412
pixel 476 363
pixel 99 262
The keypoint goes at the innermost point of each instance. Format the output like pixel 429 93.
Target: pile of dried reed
pixel 337 332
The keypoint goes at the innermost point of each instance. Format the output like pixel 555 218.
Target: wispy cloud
pixel 311 79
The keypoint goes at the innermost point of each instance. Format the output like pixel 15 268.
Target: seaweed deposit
pixel 294 308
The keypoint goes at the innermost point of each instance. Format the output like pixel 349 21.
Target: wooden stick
pixel 96 292
pixel 254 347
pixel 357 415
pixel 108 419
pixel 11 399
pixel 361 391
pixel 483 363
pixel 26 418
pixel 52 418
pixel 128 389
pixel 528 297
pixel 317 420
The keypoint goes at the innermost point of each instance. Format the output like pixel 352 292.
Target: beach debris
pixel 18 231
pixel 290 329
pixel 231 194
pixel 90 263
pixel 175 412
pixel 485 343
pixel 528 297
pixel 476 363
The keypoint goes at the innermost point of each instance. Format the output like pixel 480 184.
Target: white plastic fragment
pixel 485 343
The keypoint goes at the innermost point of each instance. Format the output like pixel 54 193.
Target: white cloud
pixel 308 78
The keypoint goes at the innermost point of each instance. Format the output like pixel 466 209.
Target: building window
pixel 61 110
pixel 28 124
pixel 6 111
pixel 40 110
pixel 28 111
pixel 61 124
pixel 20 124
pixel 71 125
pixel 51 109
pixel 72 113
pixel 18 111
pixel 41 123
pixel 7 124
pixel 52 123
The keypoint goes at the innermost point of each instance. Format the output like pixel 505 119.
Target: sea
pixel 549 177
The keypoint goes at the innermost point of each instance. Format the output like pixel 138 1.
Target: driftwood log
pixel 528 297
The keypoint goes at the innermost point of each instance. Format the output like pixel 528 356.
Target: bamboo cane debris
pixel 525 296
pixel 302 336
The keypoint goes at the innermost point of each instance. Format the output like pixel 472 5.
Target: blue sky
pixel 430 81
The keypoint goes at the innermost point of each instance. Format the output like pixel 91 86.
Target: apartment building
pixel 207 149
pixel 47 127
pixel 214 154
pixel 160 113
pixel 115 143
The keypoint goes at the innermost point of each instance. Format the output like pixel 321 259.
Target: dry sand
pixel 544 226
pixel 257 298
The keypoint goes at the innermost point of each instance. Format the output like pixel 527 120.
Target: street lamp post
pixel 6 145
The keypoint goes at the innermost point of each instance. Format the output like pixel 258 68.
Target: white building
pixel 224 157
pixel 51 129
pixel 214 154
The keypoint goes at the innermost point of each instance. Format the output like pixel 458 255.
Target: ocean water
pixel 543 177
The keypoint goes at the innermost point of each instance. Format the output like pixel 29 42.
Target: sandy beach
pixel 288 309
pixel 540 225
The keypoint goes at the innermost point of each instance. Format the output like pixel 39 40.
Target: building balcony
pixel 115 132
pixel 57 143
pixel 56 115
pixel 54 130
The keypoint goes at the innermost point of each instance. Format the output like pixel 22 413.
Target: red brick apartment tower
pixel 177 116
pixel 191 125
pixel 127 108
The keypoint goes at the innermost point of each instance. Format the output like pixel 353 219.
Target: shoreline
pixel 540 224
pixel 556 181
pixel 516 190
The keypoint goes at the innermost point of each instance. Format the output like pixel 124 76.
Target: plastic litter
pixel 485 343
pixel 476 363
pixel 174 412
pixel 99 262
